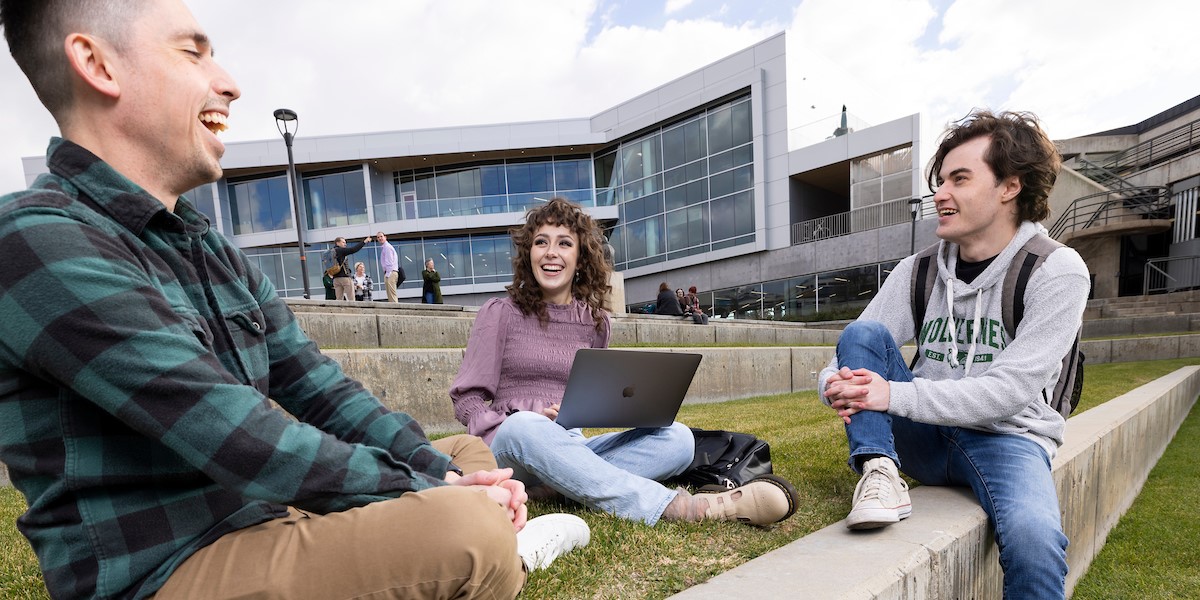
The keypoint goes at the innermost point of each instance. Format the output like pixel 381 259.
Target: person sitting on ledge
pixel 973 411
pixel 668 304
pixel 136 402
pixel 511 382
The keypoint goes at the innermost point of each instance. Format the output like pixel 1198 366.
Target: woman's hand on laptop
pixel 551 412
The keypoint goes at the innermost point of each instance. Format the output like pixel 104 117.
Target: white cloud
pixel 674 6
pixel 372 65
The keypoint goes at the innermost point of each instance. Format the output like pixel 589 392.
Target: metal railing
pixel 1166 146
pixel 1171 274
pixel 894 212
pixel 1114 206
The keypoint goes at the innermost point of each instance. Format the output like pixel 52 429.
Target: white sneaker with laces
pixel 881 497
pixel 547 537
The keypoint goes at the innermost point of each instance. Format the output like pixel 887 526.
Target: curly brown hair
pixel 591 272
pixel 1018 147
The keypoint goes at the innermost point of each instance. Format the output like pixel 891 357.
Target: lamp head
pixel 284 117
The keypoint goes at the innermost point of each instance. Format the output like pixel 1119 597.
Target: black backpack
pixel 1069 386
pixel 725 460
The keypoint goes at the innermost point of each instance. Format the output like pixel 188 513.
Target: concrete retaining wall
pixel 417 381
pixel 946 549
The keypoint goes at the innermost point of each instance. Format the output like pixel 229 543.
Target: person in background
pixel 692 300
pixel 431 290
pixel 667 303
pixel 389 261
pixel 343 284
pixel 362 283
pixel 511 382
pixel 327 281
pixel 172 429
pixel 974 409
pixel 683 305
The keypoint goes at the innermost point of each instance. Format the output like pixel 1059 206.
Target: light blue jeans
pixel 617 473
pixel 1009 474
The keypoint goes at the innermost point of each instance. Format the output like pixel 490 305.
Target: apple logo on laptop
pixel 627 392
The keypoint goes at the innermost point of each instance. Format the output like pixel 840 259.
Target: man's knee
pixel 470 526
pixel 469 452
pixel 864 330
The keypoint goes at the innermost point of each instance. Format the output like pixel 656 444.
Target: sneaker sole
pixel 874 519
pixel 793 497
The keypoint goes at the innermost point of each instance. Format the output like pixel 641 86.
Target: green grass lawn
pixel 808 447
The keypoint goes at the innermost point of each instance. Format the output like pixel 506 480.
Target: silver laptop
pixel 626 388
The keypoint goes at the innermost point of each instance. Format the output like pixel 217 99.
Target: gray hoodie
pixel 972 375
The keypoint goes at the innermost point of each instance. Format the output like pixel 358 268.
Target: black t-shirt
pixel 968 271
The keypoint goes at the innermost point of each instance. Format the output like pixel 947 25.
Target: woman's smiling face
pixel 554 258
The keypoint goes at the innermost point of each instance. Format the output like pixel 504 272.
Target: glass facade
pixel 259 205
pixel 882 177
pixel 461 260
pixel 833 295
pixel 683 189
pixel 335 199
pixel 486 188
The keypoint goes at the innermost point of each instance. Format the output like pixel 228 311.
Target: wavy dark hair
pixel 1018 147
pixel 591 272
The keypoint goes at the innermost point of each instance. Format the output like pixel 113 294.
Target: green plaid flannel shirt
pixel 138 348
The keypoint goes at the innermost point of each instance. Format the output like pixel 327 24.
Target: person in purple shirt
pixel 389 262
pixel 515 370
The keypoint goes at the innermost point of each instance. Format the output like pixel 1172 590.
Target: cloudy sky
pixel 377 65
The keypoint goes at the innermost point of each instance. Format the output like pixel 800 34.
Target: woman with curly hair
pixel 515 370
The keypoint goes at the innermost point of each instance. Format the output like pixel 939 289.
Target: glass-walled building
pixel 692 182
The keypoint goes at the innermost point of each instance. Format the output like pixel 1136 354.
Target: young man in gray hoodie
pixel 973 410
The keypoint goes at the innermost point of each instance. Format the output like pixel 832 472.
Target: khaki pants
pixel 343 288
pixel 390 284
pixel 448 542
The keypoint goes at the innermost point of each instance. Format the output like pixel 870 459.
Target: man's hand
pixel 499 485
pixel 853 391
pixel 367 240
pixel 551 412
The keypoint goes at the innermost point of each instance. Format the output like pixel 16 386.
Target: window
pixel 336 200
pixel 260 205
pixel 663 182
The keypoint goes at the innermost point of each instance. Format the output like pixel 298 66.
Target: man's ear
pixel 1011 188
pixel 91 61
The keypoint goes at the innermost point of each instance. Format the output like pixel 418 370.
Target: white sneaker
pixel 881 497
pixel 549 536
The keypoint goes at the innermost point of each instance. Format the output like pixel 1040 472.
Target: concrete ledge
pixel 946 549
pixel 417 381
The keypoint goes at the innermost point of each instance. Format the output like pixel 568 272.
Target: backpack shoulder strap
pixel 1024 263
pixel 924 274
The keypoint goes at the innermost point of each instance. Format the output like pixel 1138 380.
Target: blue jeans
pixel 617 473
pixel 1009 474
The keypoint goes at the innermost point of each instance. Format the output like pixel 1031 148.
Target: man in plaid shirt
pixel 139 348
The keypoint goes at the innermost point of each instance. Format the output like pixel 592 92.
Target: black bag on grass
pixel 725 460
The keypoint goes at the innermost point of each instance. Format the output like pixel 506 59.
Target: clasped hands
pixel 851 391
pixel 499 485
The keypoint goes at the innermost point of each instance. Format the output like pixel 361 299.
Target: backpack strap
pixel 924 274
pixel 1027 259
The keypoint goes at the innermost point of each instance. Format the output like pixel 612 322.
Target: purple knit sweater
pixel 512 362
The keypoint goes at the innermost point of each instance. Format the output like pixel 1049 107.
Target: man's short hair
pixel 339 239
pixel 36 30
pixel 1018 147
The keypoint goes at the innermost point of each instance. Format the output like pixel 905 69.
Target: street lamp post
pixel 914 207
pixel 283 119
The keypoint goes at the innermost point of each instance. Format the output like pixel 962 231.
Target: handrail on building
pixel 884 214
pixel 1173 143
pixel 1171 274
pixel 1102 208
